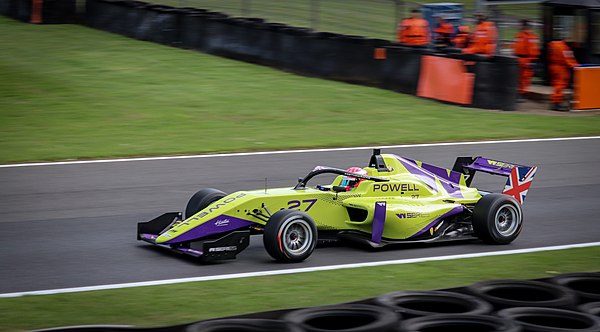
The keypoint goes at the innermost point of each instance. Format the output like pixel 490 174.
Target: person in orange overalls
pixel 526 48
pixel 560 60
pixel 443 32
pixel 461 40
pixel 483 39
pixel 414 30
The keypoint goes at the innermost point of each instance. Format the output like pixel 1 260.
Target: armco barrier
pixel 516 306
pixel 401 68
pixel 20 10
pixel 51 11
pixel 163 24
pixel 59 11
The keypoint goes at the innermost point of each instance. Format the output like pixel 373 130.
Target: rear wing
pixel 519 176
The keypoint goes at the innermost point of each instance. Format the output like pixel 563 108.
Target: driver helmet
pixel 351 182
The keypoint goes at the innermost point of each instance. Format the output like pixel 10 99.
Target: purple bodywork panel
pixel 455 210
pixel 491 166
pixel 378 221
pixel 189 251
pixel 149 237
pixel 428 173
pixel 220 224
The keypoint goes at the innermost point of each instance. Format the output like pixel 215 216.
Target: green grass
pixel 180 303
pixel 71 92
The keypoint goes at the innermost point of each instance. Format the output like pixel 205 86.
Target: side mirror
pixel 339 189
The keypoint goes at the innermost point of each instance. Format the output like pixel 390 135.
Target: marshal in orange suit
pixel 560 61
pixel 483 40
pixel 414 30
pixel 526 47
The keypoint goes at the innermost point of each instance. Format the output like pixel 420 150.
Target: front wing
pixel 222 246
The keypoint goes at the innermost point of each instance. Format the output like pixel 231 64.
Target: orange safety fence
pixel 586 88
pixel 445 79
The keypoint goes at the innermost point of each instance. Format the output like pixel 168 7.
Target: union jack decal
pixel 519 181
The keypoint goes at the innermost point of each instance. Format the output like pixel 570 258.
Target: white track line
pixel 300 270
pixel 238 154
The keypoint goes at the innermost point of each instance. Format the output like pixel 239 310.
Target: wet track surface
pixel 74 225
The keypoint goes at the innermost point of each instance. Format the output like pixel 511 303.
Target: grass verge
pixel 180 303
pixel 70 92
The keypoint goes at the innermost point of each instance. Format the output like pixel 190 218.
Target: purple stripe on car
pixel 428 174
pixel 220 224
pixel 189 251
pixel 455 210
pixel 151 237
pixel 378 221
pixel 492 166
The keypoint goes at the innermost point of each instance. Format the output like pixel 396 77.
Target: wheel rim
pixel 297 237
pixel 507 220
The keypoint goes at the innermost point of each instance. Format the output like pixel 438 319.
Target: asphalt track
pixel 73 225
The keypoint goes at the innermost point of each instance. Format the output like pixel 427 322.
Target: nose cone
pixel 164 237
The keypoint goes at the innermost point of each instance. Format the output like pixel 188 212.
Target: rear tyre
pixel 290 236
pixel 497 219
pixel 201 200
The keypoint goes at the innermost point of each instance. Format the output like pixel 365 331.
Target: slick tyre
pixel 426 303
pixel 523 293
pixel 201 200
pixel 290 236
pixel 551 320
pixel 497 219
pixel 244 325
pixel 459 322
pixel 345 317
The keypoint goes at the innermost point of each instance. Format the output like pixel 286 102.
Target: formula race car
pixel 393 200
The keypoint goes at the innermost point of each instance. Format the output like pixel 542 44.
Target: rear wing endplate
pixel 519 176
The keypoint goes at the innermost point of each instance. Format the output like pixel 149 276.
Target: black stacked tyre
pixel 244 325
pixel 459 323
pixel 551 320
pixel 523 293
pixel 426 303
pixel 345 317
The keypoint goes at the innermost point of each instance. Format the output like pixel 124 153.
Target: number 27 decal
pixel 295 204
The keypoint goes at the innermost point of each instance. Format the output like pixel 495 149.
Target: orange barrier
pixel 380 53
pixel 36 11
pixel 445 79
pixel 586 88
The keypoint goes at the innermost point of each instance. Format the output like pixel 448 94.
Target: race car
pixel 393 200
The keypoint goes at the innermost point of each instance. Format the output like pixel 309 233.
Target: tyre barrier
pixel 591 308
pixel 345 317
pixel 426 303
pixel 244 325
pixel 523 293
pixel 459 322
pixel 585 285
pixel 483 306
pixel 534 319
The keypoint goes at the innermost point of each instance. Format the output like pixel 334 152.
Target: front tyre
pixel 290 236
pixel 201 200
pixel 497 219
